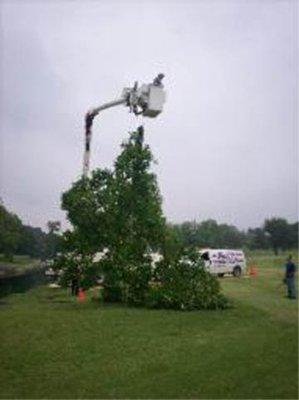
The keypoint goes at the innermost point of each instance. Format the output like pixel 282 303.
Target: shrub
pixel 185 284
pixel 126 280
pixel 136 283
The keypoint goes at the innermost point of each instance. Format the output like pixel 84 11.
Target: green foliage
pixel 53 239
pixel 281 234
pixel 76 267
pixel 293 235
pixel 276 233
pixel 89 205
pixel 139 222
pixel 54 226
pixel 136 282
pixel 184 284
pixel 126 281
pixel 10 232
pixel 33 242
pixel 257 239
pixel 172 245
pixel 209 234
pixel 16 238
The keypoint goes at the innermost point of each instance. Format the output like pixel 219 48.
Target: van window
pixel 205 256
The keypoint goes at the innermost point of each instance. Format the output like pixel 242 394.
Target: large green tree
pixel 33 242
pixel 53 239
pixel 10 232
pixel 257 239
pixel 139 223
pixel 279 233
pixel 120 211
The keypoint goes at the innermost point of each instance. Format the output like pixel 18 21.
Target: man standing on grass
pixel 290 278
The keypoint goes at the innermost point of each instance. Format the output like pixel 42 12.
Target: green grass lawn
pixel 53 347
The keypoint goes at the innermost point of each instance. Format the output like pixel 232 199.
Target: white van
pixel 220 262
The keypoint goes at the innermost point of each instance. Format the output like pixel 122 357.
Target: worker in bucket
pixel 289 280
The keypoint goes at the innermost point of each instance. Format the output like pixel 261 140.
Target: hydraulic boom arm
pixel 89 117
pixel 148 100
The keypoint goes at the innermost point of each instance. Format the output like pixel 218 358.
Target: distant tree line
pixel 276 234
pixel 19 239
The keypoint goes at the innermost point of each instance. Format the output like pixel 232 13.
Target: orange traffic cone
pixel 81 295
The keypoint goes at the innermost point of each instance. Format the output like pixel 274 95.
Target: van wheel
pixel 237 272
pixel 221 275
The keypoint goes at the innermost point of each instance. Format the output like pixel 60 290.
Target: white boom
pixel 147 100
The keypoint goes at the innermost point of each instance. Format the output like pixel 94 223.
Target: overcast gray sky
pixel 226 142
